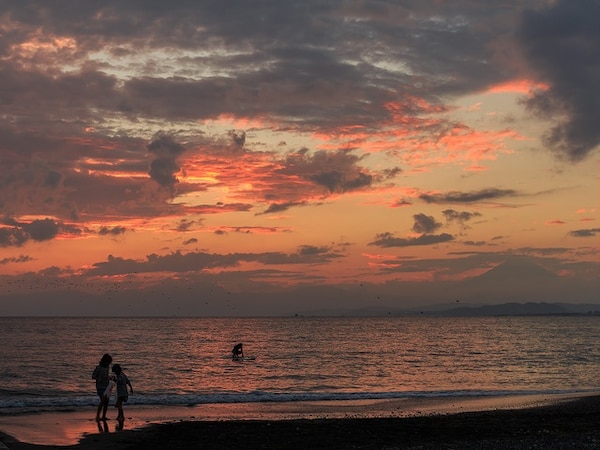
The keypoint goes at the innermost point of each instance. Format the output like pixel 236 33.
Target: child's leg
pixel 120 408
pixel 99 409
pixel 104 406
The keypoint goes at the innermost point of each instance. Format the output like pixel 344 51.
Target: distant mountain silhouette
pixel 522 309
pixel 516 269
pixel 500 309
pixel 507 309
pixel 515 280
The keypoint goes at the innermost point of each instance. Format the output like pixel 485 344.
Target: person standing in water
pixel 102 376
pixel 122 393
pixel 238 351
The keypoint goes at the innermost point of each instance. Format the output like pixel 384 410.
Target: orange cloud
pixel 239 122
pixel 41 43
pixel 518 86
pixel 421 141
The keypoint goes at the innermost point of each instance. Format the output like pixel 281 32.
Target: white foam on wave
pixel 24 403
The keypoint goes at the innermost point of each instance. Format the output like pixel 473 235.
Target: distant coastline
pixel 472 310
pixel 522 309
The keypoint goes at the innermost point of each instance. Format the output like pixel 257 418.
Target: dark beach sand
pixel 557 424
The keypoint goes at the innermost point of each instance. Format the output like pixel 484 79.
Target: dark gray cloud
pixel 308 250
pixel 238 137
pixel 475 243
pixel 96 194
pixel 41 230
pixel 164 167
pixel 15 259
pixel 306 254
pixel 400 203
pixel 114 231
pixel 562 43
pixel 338 172
pixel 13 237
pixel 43 95
pixel 247 230
pixel 462 217
pixel 175 262
pixel 305 63
pixel 425 224
pixel 590 232
pixel 468 197
pixel 194 261
pixel 280 207
pixel 303 177
pixel 542 251
pixel 387 240
pixel 19 233
pixel 63 175
pixel 185 224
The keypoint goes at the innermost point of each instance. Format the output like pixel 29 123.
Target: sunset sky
pixel 273 157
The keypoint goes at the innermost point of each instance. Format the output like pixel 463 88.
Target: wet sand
pixel 551 422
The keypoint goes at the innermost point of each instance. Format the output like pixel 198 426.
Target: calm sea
pixel 47 362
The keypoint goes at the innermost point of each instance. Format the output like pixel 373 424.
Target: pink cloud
pixel 518 86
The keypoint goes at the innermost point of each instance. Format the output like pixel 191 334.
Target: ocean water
pixel 47 362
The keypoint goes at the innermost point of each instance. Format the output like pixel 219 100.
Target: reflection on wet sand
pixel 67 428
pixel 102 426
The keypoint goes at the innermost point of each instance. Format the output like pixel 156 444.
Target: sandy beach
pixel 551 422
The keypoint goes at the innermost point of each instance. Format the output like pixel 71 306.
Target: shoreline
pixel 249 423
